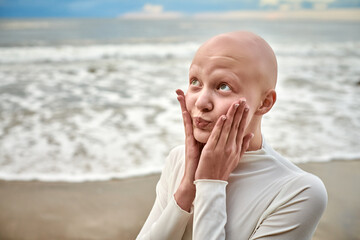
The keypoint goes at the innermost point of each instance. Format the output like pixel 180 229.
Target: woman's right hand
pixel 185 194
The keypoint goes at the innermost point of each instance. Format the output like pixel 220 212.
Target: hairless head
pixel 249 50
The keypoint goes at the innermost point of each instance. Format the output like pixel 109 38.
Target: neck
pixel 256 141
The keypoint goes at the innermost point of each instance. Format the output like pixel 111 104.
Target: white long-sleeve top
pixel 265 197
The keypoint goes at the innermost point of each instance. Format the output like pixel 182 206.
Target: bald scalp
pixel 249 47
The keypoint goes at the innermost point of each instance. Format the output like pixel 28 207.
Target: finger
pixel 180 92
pixel 236 122
pixel 187 126
pixel 227 125
pixel 186 116
pixel 187 123
pixel 246 143
pixel 181 99
pixel 215 133
pixel 241 128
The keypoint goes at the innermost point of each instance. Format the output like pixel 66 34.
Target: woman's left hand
pixel 226 144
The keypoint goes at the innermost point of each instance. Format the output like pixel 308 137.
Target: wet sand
pixel 117 209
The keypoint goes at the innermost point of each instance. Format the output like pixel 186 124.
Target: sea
pixel 94 99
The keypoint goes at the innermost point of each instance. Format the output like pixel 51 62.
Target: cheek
pixel 223 107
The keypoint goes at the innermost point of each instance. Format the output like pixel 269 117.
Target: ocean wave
pixel 53 54
pixel 49 177
pixel 86 113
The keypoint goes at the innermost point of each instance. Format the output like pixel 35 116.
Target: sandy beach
pixel 117 209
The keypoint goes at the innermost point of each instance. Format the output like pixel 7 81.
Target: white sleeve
pixel 295 212
pixel 166 219
pixel 209 210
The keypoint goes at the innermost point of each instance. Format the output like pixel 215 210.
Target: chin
pixel 201 136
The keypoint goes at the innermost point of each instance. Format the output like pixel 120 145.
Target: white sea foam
pixel 62 54
pixel 75 113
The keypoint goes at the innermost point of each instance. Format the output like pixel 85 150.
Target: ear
pixel 267 103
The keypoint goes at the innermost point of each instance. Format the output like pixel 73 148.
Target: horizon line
pixel 341 14
pixel 347 14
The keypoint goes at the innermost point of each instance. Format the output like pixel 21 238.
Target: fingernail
pixel 223 118
pixel 246 109
pixel 184 112
pixel 252 135
pixel 236 105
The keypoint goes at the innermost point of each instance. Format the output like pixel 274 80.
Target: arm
pixel 166 219
pixel 210 210
pixel 185 194
pixel 220 155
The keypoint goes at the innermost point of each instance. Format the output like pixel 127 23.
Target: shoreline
pixel 117 209
pixel 132 174
pixel 68 179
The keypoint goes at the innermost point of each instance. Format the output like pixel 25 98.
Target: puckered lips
pixel 201 123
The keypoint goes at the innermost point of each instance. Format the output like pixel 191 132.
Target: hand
pixel 226 144
pixel 185 194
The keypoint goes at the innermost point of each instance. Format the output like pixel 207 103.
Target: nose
pixel 204 101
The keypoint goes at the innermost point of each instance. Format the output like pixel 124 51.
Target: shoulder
pixel 172 171
pixel 297 182
pixel 298 205
pixel 175 159
pixel 296 178
pixel 316 187
pixel 177 151
pixel 309 188
pixel 176 155
pixel 172 165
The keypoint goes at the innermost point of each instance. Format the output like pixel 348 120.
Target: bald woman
pixel 227 182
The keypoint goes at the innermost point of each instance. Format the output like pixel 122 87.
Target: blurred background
pixel 87 87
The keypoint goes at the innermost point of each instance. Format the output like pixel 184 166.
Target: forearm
pixel 185 194
pixel 170 224
pixel 210 210
pixel 166 219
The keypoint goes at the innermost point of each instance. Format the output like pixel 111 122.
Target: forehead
pixel 207 64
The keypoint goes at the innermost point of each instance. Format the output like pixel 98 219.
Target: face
pixel 215 82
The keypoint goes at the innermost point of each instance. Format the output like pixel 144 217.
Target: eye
pixel 195 82
pixel 224 87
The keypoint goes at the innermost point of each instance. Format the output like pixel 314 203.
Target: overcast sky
pixel 115 8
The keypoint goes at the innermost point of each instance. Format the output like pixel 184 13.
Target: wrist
pixel 199 175
pixel 185 195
